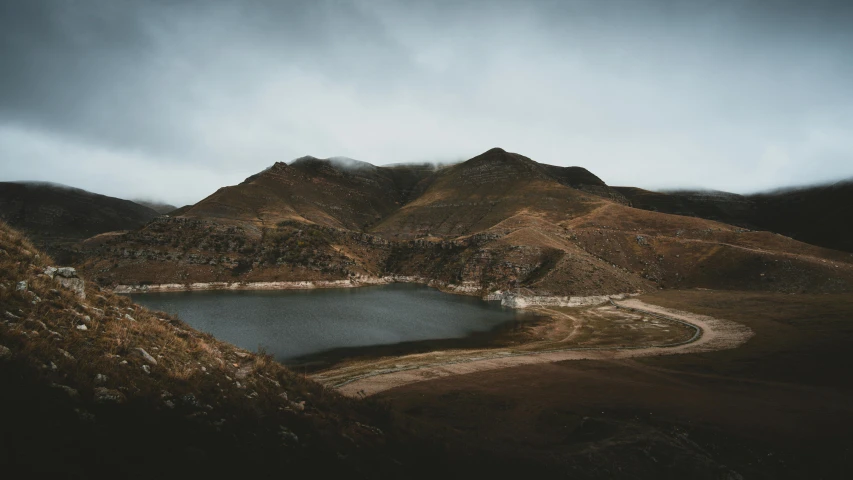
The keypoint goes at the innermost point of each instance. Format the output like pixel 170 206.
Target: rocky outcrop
pixel 513 300
pixel 67 277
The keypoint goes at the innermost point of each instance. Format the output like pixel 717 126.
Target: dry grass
pixel 230 393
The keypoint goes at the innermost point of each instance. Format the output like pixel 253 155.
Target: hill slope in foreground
pixel 498 222
pixel 94 386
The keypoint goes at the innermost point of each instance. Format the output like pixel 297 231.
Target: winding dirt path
pixel 713 334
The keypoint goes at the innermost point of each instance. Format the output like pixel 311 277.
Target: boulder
pixel 76 285
pixel 67 277
pixel 66 272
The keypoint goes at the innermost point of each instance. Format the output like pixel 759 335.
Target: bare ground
pixel 778 406
pixel 368 377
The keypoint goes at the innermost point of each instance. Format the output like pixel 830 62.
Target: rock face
pixel 67 277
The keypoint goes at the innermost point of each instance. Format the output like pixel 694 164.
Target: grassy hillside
pixel 818 215
pixel 334 193
pixel 98 386
pixel 496 222
pixel 55 216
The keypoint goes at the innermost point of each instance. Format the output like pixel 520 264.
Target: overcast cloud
pixel 174 99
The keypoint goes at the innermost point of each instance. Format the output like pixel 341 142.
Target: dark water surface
pixel 300 323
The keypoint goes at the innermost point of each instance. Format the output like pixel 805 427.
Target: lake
pixel 292 324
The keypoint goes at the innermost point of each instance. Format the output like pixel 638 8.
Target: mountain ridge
pixel 496 222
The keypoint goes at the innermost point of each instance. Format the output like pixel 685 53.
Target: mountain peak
pixel 339 163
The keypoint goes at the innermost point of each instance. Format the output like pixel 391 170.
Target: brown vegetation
pixel 126 391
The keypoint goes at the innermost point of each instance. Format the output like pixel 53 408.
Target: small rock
pixel 66 272
pixel 128 317
pixel 50 271
pixel 11 316
pixel 169 403
pixel 146 368
pixel 189 399
pixel 66 354
pixel 70 391
pixel 243 372
pixel 21 286
pixel 84 416
pixel 283 395
pixel 298 406
pixel 148 358
pixel 106 395
pixel 288 436
pixel 82 327
pixel 5 353
pixel 123 362
pixel 100 378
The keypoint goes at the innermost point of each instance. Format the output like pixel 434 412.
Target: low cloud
pixel 173 100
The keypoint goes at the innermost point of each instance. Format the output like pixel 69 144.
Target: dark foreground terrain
pixel 780 406
pixel 95 387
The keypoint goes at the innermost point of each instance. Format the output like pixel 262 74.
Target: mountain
pixel 499 221
pixel 159 207
pixel 328 192
pixel 477 194
pixel 819 215
pixel 56 216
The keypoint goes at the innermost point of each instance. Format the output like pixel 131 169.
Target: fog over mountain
pixel 172 100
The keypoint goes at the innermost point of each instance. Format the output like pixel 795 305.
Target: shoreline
pixel 711 334
pixel 507 299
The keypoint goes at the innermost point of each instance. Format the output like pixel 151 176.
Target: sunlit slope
pixel 331 193
pixel 499 221
pixel 485 190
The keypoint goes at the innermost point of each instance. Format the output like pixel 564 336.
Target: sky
pixel 170 100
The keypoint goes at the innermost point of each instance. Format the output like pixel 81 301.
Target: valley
pixel 617 322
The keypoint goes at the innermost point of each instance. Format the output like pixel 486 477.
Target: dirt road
pixel 716 334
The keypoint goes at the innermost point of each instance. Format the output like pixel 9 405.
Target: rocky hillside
pixel 338 193
pixel 95 386
pixel 56 216
pixel 818 215
pixel 496 222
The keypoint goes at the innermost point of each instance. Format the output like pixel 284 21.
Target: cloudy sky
pixel 172 99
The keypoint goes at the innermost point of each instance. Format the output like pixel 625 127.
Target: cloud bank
pixel 171 100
